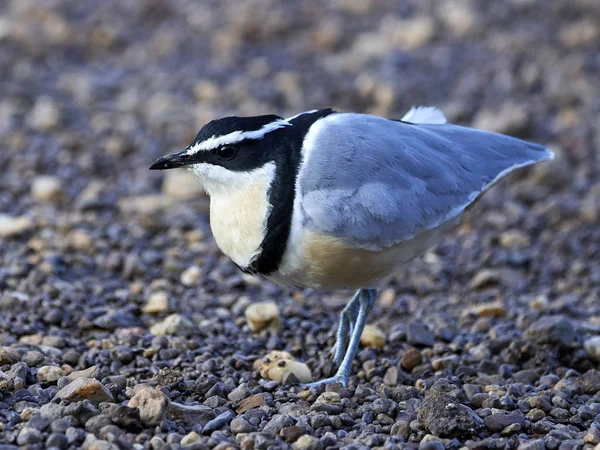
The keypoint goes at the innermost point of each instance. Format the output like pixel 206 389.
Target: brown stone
pixel 411 358
pixel 495 309
pixel 254 401
pixel 85 389
pixel 292 433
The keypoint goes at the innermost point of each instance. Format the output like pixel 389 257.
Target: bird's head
pixel 249 167
pixel 233 150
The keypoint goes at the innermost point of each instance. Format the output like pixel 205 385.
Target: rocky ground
pixel 123 327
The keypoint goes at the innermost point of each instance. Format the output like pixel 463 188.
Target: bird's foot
pixel 337 378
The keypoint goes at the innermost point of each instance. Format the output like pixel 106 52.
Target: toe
pixel 334 379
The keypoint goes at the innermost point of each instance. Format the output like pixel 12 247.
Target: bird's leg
pixel 345 329
pixel 366 300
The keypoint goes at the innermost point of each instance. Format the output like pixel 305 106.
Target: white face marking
pixel 239 208
pixel 236 137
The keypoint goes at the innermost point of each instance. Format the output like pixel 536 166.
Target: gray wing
pixel 377 182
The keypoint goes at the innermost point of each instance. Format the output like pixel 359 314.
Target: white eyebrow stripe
pixel 299 114
pixel 236 136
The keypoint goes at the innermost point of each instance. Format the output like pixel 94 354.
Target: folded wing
pixel 376 182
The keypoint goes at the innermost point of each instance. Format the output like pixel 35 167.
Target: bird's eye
pixel 225 153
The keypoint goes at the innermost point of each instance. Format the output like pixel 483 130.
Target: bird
pixel 333 200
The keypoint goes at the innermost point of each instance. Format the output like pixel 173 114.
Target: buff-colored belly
pixel 324 262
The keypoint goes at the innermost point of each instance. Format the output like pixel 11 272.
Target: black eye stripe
pixel 226 152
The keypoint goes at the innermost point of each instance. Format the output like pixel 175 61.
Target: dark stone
pixel 96 423
pixel 241 425
pixel 277 423
pixel 320 420
pixel 403 393
pixel 526 376
pixel 478 400
pixel 127 418
pixel 113 320
pixel 192 415
pixel 218 422
pixel 419 334
pixel 401 428
pixel 442 413
pixel 239 393
pixel 122 354
pixel 214 402
pixel 292 433
pixel 552 330
pixel 38 422
pixel 57 440
pixel 560 414
pixel 290 379
pixel 82 411
pixel 217 390
pixel 29 436
pixel 368 417
pixel 534 444
pixel 590 382
pixel 431 445
pixel 501 419
pixel 60 426
pixel 109 432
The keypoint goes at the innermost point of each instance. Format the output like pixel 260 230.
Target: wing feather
pixel 424 115
pixel 376 182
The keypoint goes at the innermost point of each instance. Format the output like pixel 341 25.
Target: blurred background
pixel 92 92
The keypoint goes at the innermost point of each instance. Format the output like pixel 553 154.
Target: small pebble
pixel 274 367
pixel 151 403
pixel 488 310
pixel 372 337
pixel 13 226
pixel 592 348
pixel 46 189
pixel 49 374
pixel 158 302
pixel 45 114
pixel 190 438
pixel 175 324
pixel 191 276
pixel 307 442
pixel 263 315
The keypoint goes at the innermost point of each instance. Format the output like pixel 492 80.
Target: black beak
pixel 172 161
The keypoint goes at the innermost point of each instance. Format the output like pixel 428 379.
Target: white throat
pixel 239 208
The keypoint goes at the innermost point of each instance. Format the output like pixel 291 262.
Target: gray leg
pixel 366 300
pixel 345 328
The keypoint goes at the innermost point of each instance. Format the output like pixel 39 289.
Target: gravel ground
pixel 123 327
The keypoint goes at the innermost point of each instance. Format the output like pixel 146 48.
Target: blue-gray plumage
pixel 376 182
